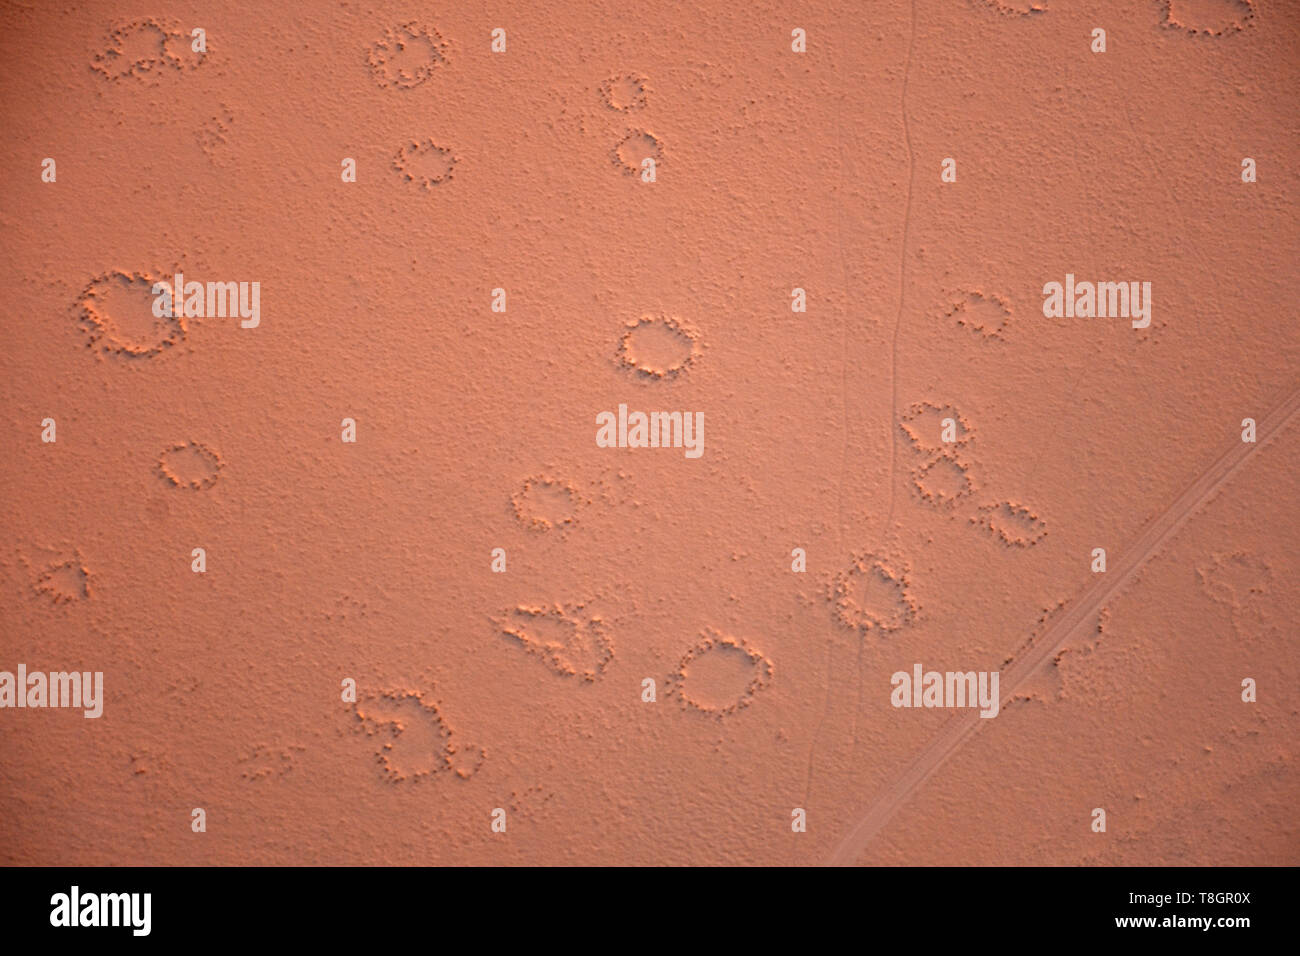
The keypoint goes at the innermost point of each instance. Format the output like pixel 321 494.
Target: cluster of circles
pixel 145 47
pixel 405 57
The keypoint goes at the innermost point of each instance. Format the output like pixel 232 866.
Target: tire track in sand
pixel 955 732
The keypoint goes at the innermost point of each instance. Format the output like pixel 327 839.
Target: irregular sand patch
pixel 145 48
pixel 985 314
pixel 570 640
pixel 1018 8
pixel 1214 18
pixel 1014 524
pixel 64 583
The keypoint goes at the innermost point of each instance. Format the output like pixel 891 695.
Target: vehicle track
pixel 1072 620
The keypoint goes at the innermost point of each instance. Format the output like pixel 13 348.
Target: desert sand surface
pixel 433 619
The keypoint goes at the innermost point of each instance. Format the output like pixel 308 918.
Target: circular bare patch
pixel 874 593
pixel 64 583
pixel 117 311
pixel 415 741
pixel 547 504
pixel 425 162
pixel 625 92
pixel 720 675
pixel 926 423
pixel 636 147
pixel 658 346
pixel 407 55
pixel 190 465
pixel 943 480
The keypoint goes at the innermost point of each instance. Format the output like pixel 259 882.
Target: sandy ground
pixel 371 561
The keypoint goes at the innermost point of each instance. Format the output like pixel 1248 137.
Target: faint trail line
pixel 1154 534
pixel 844 467
pixel 902 285
pixel 812 749
pixel 844 391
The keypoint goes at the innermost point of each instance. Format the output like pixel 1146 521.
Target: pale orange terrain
pixel 330 561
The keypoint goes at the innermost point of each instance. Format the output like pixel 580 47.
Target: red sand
pixel 523 690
